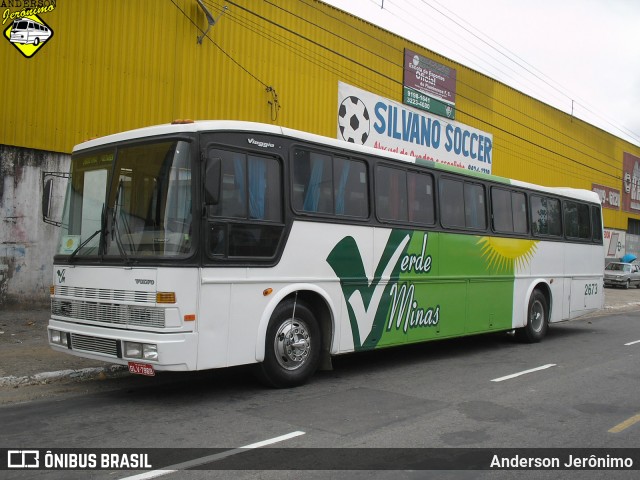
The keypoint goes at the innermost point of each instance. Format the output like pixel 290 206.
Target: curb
pixel 626 306
pixel 111 371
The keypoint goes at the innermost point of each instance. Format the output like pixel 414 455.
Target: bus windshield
pixel 129 202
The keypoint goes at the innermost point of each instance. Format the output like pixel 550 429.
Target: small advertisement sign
pixel 614 243
pixel 609 197
pixel 631 183
pixel 429 85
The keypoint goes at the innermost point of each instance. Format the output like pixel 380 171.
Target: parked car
pixel 622 274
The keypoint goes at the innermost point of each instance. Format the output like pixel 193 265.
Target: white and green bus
pixel 201 245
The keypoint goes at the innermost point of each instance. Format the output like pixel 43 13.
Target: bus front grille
pixel 106 294
pixel 109 313
pixel 85 343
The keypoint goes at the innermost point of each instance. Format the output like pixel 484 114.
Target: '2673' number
pixel 591 289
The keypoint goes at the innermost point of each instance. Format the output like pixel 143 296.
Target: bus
pixel 210 244
pixel 26 30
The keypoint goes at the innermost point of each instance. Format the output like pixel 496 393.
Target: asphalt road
pixel 581 391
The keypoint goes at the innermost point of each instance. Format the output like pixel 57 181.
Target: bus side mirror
pixel 47 187
pixel 51 196
pixel 212 173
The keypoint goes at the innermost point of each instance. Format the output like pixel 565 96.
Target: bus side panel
pixel 550 264
pixel 479 269
pixel 245 312
pixel 586 289
pixel 303 266
pixel 212 319
pixel 490 303
pixel 573 274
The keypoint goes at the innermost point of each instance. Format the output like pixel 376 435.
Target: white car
pixel 622 275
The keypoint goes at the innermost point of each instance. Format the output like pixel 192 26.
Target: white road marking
pixel 631 343
pixel 211 458
pixel 514 375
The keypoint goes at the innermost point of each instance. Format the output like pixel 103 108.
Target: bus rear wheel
pixel 292 348
pixel 537 319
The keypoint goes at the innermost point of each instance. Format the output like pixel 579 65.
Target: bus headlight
pixel 146 351
pixel 150 351
pixel 59 338
pixel 133 349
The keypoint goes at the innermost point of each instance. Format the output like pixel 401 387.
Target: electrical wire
pixel 326 48
pixel 274 103
pixel 409 20
pixel 529 68
pixel 326 64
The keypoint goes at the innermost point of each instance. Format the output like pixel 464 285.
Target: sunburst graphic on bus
pixel 506 255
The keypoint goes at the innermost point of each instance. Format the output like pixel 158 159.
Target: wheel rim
pixel 292 344
pixel 536 316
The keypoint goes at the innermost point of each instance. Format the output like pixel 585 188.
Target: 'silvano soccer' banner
pixel 368 119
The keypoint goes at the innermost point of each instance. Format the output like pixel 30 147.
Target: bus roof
pixel 263 128
pixel 26 19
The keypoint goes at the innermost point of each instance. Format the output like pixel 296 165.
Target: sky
pixel 580 56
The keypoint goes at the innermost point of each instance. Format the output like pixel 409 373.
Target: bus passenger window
pixel 545 216
pixel 509 211
pixel 350 187
pixel 391 194
pixel 247 219
pixel 452 203
pixel 596 223
pixel 421 204
pixel 474 211
pixel 577 220
pixel 312 173
pixel 330 185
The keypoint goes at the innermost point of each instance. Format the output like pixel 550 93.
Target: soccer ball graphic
pixel 353 120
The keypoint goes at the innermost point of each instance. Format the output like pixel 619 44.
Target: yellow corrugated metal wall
pixel 114 65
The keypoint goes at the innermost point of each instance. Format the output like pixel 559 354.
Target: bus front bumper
pixel 164 352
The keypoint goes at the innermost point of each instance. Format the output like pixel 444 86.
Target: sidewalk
pixel 27 359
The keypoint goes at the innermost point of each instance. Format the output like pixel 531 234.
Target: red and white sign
pixel 631 183
pixel 609 197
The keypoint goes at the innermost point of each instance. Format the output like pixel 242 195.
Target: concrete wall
pixel 27 244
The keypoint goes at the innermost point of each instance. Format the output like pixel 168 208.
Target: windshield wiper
pixel 85 242
pixel 115 231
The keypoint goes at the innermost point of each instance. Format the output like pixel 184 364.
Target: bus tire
pixel 537 319
pixel 292 346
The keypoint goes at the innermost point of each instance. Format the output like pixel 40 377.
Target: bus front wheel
pixel 292 348
pixel 537 319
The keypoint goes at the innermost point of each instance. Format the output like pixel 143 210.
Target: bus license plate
pixel 142 369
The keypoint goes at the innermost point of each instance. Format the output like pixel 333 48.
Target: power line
pixel 524 65
pixel 274 103
pixel 494 100
pixel 360 64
